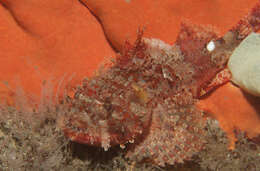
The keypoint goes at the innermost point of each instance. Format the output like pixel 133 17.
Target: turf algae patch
pixel 37 143
pixel 30 142
pixel 216 157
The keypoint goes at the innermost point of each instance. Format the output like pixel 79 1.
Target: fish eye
pixel 211 46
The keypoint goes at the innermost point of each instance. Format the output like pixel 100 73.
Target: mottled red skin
pixel 122 61
pixel 192 41
pixel 84 138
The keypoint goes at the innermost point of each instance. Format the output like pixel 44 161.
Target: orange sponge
pixel 234 109
pixel 47 39
pixel 161 19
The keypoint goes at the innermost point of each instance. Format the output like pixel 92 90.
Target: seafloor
pixel 33 141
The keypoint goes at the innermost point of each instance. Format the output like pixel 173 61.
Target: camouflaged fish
pixel 146 98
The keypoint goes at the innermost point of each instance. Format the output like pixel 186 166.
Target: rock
pixel 244 64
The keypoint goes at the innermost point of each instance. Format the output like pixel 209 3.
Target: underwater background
pixel 129 85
